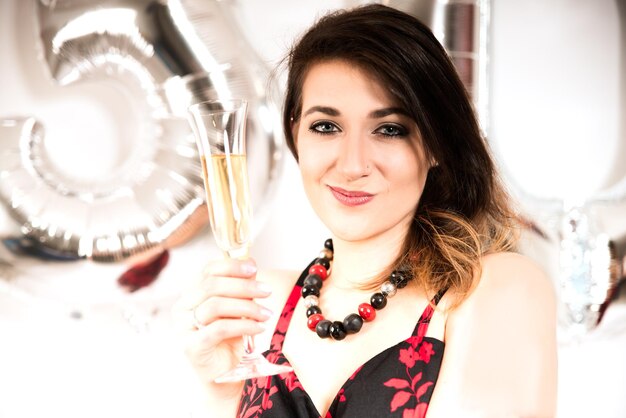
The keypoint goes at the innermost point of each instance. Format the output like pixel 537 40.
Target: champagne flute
pixel 219 127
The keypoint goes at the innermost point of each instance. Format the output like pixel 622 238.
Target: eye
pixel 324 128
pixel 392 130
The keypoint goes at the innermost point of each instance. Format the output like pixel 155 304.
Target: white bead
pixel 326 253
pixel 388 289
pixel 311 300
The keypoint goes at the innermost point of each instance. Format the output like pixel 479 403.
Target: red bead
pixel 313 320
pixel 367 312
pixel 319 270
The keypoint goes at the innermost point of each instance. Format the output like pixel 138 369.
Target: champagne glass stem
pixel 248 344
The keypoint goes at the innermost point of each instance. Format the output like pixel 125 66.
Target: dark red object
pixel 367 312
pixel 319 270
pixel 143 274
pixel 313 320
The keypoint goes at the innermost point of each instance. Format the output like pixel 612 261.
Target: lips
pixel 351 197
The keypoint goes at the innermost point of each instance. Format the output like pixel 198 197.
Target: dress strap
pixel 285 316
pixel 424 321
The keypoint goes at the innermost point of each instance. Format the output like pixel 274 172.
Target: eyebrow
pixel 330 111
pixel 376 114
pixel 381 113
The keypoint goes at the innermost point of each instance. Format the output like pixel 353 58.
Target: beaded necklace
pixel 337 330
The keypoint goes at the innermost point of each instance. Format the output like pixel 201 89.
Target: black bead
pixel 313 310
pixel 337 331
pixel 323 328
pixel 328 244
pixel 313 280
pixel 399 279
pixel 323 262
pixel 353 323
pixel 308 290
pixel 378 301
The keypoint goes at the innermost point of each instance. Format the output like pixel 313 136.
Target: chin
pixel 352 232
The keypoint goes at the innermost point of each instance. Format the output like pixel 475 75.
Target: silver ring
pixel 196 323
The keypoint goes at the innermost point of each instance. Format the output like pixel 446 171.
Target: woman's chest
pixel 324 367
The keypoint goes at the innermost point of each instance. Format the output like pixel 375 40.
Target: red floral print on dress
pixel 426 351
pixel 411 387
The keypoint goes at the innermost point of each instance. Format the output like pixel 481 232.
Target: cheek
pixel 309 167
pixel 411 173
pixel 313 158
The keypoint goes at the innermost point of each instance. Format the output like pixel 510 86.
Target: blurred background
pixel 102 219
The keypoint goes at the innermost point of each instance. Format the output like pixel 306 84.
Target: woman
pixel 393 163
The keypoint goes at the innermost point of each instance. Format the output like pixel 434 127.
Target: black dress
pixel 398 382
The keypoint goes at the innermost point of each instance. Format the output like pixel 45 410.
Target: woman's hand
pixel 215 314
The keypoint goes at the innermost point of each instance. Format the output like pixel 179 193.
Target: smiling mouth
pixel 351 198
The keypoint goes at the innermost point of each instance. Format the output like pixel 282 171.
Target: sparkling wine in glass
pixel 219 127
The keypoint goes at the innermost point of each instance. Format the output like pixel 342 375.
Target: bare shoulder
pixel 500 357
pixel 510 285
pixel 513 301
pixel 512 278
pixel 512 293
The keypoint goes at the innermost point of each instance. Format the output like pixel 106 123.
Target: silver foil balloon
pixel 462 27
pixel 163 56
pixel 591 237
pixel 587 271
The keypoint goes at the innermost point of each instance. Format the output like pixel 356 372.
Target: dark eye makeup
pixel 323 127
pixel 386 130
pixel 392 130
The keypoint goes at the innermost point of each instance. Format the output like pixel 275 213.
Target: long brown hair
pixel 464 211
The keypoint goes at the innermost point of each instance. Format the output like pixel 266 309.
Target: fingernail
pixel 248 268
pixel 264 288
pixel 266 313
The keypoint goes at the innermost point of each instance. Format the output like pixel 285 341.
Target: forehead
pixel 340 82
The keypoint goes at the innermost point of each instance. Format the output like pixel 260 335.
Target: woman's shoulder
pixel 512 283
pixel 503 336
pixel 505 272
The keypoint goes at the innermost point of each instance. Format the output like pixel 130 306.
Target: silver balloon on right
pixel 462 26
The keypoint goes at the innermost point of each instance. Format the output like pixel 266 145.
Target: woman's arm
pixel 500 358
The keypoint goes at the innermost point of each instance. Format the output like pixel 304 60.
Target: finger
pixel 231 267
pixel 217 307
pixel 226 329
pixel 229 287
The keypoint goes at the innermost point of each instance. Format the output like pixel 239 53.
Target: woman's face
pixel 361 158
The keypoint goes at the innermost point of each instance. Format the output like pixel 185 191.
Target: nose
pixel 354 160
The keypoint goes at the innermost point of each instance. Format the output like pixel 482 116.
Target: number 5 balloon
pixel 160 57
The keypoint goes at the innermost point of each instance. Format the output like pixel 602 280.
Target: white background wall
pixel 557 128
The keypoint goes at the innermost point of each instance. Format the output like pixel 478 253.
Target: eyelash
pixel 400 131
pixel 316 125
